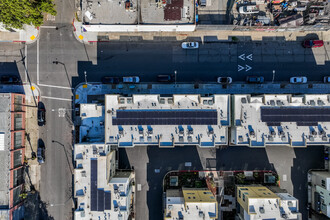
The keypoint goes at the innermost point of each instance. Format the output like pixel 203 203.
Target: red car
pixel 312 43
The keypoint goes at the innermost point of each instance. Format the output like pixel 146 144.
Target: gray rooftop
pixel 107 12
pixel 5 124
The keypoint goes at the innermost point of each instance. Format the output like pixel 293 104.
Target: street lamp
pixel 273 76
pixel 85 73
pixel 175 77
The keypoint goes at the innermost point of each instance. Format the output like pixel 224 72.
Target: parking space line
pixel 38 61
pixel 55 98
pixel 52 86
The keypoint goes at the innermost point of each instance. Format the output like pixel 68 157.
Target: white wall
pixel 140 28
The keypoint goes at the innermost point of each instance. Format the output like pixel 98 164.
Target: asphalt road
pixel 146 159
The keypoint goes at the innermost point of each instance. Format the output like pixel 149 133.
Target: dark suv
pixel 165 78
pixel 41 114
pixel 41 152
pixel 255 79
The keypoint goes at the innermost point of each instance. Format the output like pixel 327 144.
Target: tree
pixel 16 13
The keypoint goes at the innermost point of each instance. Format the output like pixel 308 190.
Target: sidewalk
pixel 28 35
pixel 82 90
pixel 198 35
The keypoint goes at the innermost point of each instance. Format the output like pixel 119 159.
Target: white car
pixel 189 45
pixel 131 79
pixel 224 80
pixel 326 79
pixel 248 9
pixel 298 79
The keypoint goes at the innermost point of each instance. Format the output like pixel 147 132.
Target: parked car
pixel 248 9
pixel 255 79
pixel 131 79
pixel 41 114
pixel 165 78
pixel 189 45
pixel 298 79
pixel 326 79
pixel 312 43
pixel 224 80
pixel 9 79
pixel 110 80
pixel 41 152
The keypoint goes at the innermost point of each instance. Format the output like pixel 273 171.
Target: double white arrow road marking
pixel 242 56
pixel 247 68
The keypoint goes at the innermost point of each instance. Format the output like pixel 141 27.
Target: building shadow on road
pixel 162 161
pixel 311 157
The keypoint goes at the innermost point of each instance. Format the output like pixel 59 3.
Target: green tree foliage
pixel 16 13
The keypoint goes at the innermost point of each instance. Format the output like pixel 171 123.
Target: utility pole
pixel 85 73
pixel 175 77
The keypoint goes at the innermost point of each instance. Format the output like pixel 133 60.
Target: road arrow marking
pixel 249 57
pixel 247 68
pixel 242 56
pixel 240 68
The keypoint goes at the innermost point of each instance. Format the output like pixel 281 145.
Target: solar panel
pixel 107 200
pixel 93 185
pixel 166 117
pixel 301 115
pixel 100 200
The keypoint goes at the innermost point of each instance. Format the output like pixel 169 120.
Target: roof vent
pixel 262 210
pixel 270 138
pixel 243 100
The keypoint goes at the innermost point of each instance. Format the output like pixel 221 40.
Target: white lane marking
pixel 138 187
pixel 240 68
pixel 242 56
pixel 249 57
pixel 284 177
pixel 48 27
pixel 26 63
pixel 61 112
pixel 51 86
pixel 38 61
pixel 247 68
pixel 55 98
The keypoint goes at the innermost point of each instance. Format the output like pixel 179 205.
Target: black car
pixel 165 78
pixel 41 114
pixel 41 152
pixel 255 79
pixel 9 80
pixel 110 80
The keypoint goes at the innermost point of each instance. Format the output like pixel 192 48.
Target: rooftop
pixel 92 123
pixel 190 204
pixel 101 191
pixel 105 12
pixel 167 121
pixel 280 120
pixel 263 203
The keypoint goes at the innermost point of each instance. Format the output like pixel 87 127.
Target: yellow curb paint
pixel 33 88
pixel 32 37
pixel 81 37
pixel 85 86
pixel 77 96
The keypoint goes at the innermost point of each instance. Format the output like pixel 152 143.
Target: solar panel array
pixel 93 185
pixel 107 200
pixel 166 117
pixel 100 200
pixel 304 116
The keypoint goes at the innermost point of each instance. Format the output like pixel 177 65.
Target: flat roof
pixel 280 119
pixel 167 121
pixel 104 12
pixel 97 195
